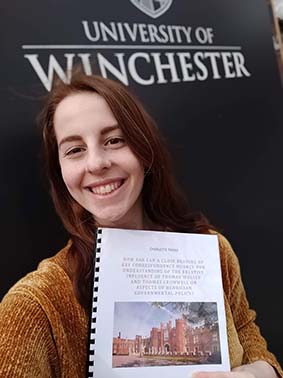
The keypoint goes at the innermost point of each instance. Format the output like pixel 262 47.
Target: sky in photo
pixel 137 318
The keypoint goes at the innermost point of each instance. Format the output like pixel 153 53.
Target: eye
pixel 115 142
pixel 74 151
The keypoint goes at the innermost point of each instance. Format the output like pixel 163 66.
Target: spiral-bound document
pixel 157 305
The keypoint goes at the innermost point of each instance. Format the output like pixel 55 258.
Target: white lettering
pixel 201 35
pixel 176 28
pixel 121 32
pixel 133 69
pixel 210 35
pixel 198 61
pixel 228 65
pixel 186 65
pixel 145 68
pixel 239 65
pixel 53 67
pixel 85 58
pixel 153 34
pixel 132 32
pixel 187 31
pixel 162 31
pixel 87 31
pixel 109 31
pixel 212 56
pixel 170 33
pixel 143 33
pixel 160 67
pixel 105 65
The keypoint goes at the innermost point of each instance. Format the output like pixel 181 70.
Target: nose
pixel 97 161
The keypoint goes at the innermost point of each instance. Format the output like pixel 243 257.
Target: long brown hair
pixel 163 203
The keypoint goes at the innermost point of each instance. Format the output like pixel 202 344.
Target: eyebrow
pixel 108 129
pixel 72 138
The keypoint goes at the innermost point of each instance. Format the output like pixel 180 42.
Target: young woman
pixel 107 166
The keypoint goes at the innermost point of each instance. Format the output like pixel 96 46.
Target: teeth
pixel 106 189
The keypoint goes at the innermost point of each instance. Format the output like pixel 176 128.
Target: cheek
pixel 139 175
pixel 129 162
pixel 70 175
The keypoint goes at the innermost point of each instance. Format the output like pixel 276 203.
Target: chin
pixel 111 221
pixel 126 216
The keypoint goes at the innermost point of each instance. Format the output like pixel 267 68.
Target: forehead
pixel 83 107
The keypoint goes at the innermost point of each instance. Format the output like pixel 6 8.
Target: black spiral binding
pixel 91 351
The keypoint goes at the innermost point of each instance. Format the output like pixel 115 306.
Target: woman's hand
pixel 258 369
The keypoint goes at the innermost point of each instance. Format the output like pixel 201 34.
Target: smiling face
pixel 99 170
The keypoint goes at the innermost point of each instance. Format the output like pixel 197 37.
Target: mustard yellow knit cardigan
pixel 44 331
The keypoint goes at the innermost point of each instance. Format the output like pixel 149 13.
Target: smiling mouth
pixel 104 190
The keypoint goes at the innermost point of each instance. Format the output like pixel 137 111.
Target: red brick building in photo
pixel 168 340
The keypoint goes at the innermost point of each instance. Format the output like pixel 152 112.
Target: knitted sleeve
pixel 26 346
pixel 254 345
